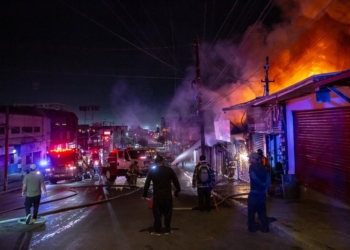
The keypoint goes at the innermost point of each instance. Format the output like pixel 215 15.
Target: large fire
pixel 321 45
pixel 312 39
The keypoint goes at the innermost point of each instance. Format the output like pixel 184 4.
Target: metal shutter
pixel 257 142
pixel 322 150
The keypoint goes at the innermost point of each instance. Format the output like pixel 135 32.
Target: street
pixel 125 221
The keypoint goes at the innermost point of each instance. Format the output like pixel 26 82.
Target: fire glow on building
pixel 312 38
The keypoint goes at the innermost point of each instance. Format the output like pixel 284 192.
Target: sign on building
pixel 265 120
pixel 222 130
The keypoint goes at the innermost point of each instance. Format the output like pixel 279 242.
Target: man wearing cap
pixel 161 177
pixel 32 185
pixel 259 187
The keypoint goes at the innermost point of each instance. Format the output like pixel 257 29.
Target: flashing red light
pixel 61 150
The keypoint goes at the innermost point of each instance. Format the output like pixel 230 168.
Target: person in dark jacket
pixel 161 177
pixel 204 189
pixel 259 187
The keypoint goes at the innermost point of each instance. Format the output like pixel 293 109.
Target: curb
pixel 10 191
pixel 276 226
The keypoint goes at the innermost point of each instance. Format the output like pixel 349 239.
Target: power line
pixel 240 45
pixel 120 37
pixel 90 49
pixel 89 74
pixel 210 102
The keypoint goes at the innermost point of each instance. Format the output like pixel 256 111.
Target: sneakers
pixel 29 216
pixel 167 232
pixel 155 234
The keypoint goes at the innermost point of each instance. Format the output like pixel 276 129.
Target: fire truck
pixel 119 161
pixel 63 165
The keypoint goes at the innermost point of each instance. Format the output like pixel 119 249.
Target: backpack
pixel 204 173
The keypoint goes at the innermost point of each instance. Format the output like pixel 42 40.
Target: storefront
pixel 322 148
pixel 267 130
pixel 306 129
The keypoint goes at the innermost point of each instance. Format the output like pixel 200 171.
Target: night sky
pixel 130 57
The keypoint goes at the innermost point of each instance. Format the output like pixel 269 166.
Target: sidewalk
pixel 13 178
pixel 14 182
pixel 310 224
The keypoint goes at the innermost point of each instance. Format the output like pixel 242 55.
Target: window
pixel 27 129
pixel 2 130
pixel 15 130
pixel 36 129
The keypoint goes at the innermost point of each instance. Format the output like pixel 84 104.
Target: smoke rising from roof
pixel 311 39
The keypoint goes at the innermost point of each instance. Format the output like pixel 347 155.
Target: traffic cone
pixel 150 203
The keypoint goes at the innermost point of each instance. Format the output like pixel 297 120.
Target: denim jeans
pixel 257 204
pixel 35 201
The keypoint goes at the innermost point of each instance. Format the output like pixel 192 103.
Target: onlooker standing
pixel 32 185
pixel 259 187
pixel 204 179
pixel 161 177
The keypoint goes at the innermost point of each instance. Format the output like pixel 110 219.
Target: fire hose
pixel 43 219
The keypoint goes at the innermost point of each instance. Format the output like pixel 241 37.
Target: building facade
pixel 305 128
pixel 32 132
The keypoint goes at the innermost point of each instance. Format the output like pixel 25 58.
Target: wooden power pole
pixel 197 85
pixel 6 156
pixel 266 81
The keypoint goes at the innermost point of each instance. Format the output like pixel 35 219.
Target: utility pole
pixel 6 156
pixel 266 81
pixel 196 86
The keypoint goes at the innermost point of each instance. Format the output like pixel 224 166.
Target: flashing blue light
pixel 43 163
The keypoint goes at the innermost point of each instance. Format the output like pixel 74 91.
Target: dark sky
pixel 128 56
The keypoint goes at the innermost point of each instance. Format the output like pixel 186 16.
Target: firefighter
pixel 132 174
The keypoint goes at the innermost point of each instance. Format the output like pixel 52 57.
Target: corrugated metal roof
pixel 302 88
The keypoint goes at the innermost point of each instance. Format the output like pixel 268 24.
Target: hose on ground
pixel 20 219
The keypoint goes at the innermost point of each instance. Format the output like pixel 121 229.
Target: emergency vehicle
pixel 62 164
pixel 119 161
